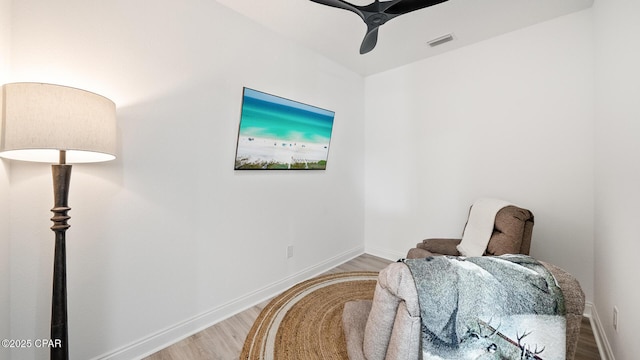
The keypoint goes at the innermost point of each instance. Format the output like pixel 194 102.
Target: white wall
pixel 168 237
pixel 5 306
pixel 5 258
pixel 511 117
pixel 617 172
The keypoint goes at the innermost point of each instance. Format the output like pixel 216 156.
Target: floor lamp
pixel 59 125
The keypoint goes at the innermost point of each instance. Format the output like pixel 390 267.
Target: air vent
pixel 441 40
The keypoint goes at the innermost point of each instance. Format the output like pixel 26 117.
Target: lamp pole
pixel 59 327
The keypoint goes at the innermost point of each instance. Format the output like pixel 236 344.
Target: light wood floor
pixel 224 340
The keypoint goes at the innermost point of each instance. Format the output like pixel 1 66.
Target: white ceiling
pixel 337 33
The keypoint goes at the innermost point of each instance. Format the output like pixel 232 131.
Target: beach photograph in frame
pixel 281 134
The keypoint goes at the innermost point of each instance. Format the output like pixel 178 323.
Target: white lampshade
pixel 39 120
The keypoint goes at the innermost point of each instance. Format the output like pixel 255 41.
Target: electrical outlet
pixel 289 251
pixel 615 319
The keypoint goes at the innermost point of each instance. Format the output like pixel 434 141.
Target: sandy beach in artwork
pixel 268 150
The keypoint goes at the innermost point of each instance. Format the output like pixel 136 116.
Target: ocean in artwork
pixel 277 133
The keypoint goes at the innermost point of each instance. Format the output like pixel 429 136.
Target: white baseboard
pixel 604 348
pixel 385 253
pixel 170 335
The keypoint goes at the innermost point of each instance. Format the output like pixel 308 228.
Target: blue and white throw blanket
pixel 504 307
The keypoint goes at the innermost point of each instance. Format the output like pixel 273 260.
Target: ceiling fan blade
pixel 378 13
pixel 340 4
pixel 370 40
pixel 407 6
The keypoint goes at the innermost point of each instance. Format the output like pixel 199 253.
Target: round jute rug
pixel 305 322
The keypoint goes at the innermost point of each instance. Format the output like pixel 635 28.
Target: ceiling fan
pixel 378 13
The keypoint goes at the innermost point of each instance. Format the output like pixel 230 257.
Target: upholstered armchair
pixel 388 327
pixel 511 235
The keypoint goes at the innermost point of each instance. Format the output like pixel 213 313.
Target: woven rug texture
pixel 305 322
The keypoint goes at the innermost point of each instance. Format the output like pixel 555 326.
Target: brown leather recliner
pixel 511 235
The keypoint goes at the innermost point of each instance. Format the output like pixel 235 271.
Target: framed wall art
pixel 281 134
